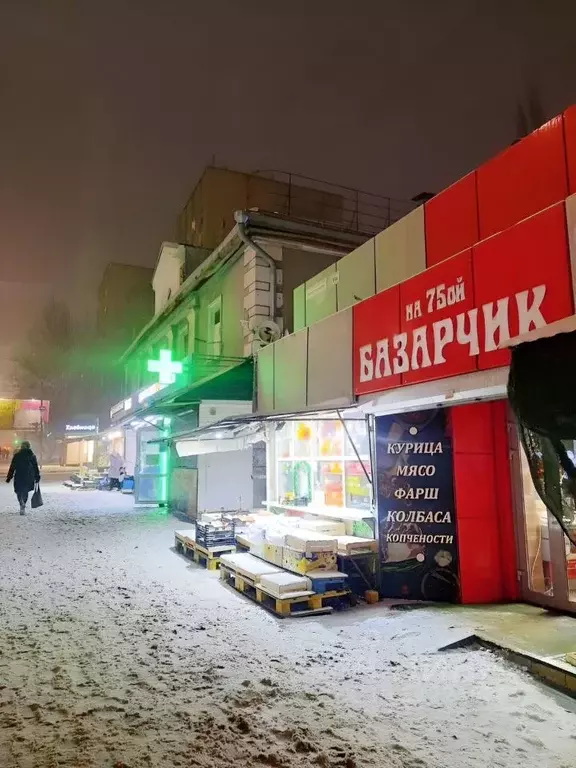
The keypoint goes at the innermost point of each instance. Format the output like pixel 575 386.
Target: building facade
pixel 192 364
pixel 412 332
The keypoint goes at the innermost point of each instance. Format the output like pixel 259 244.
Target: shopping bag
pixel 36 498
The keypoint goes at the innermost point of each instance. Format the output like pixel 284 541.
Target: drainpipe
pixel 242 218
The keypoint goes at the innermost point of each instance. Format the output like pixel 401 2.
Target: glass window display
pixel 317 463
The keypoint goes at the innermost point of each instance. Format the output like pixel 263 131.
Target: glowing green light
pixel 166 368
pixel 164 463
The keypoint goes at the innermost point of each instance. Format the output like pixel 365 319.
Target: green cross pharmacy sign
pixel 166 368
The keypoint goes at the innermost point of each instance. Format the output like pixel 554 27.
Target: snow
pixel 115 651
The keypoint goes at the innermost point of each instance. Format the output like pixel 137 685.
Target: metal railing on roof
pixel 303 197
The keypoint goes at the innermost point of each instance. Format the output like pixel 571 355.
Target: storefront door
pixel 151 479
pixel 546 559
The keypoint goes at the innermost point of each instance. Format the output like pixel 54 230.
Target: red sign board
pixel 453 318
pixel 376 322
pixel 433 307
pixel 521 281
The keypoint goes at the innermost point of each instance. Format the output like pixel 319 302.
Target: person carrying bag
pixel 36 500
pixel 24 470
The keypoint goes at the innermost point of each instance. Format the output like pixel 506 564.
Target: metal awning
pixel 239 432
pixel 224 379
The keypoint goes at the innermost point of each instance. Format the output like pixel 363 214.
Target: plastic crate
pixel 208 535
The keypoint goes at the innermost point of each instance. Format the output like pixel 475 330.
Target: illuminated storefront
pixel 437 299
pixel 80 441
pixel 184 397
pixel 320 464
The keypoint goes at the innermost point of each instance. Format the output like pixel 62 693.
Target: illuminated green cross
pixel 166 368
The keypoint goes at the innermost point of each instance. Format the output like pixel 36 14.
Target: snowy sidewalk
pixel 116 652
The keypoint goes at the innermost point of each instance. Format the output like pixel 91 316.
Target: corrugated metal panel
pixel 523 180
pixel 357 275
pixel 401 250
pixel 330 361
pixel 290 372
pixel 299 307
pixel 321 295
pixel 265 376
pixel 451 219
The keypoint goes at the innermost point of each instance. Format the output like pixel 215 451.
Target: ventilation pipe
pixel 242 218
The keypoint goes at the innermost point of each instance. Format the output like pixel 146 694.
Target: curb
pixel 553 672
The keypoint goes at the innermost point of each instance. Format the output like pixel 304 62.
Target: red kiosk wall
pixel 486 545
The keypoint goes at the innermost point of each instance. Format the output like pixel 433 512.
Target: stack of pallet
pixel 285 593
pixel 204 545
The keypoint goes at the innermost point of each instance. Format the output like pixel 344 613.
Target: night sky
pixel 111 108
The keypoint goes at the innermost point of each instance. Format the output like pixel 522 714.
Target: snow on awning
pixel 231 434
pixel 567 325
pixel 216 445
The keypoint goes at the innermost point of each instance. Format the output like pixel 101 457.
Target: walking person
pixel 24 470
pixel 116 471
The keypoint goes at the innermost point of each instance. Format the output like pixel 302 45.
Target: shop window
pixel 284 440
pixel 357 437
pixel 317 464
pixel 570 522
pixel 358 488
pixel 215 327
pixel 182 336
pixel 537 535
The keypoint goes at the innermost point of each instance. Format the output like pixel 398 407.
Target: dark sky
pixel 110 108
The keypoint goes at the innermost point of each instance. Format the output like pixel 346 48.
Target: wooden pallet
pixel 209 558
pixel 295 604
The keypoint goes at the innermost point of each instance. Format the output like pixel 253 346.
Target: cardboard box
pixel 310 542
pixel 301 562
pixel 348 545
pixel 273 553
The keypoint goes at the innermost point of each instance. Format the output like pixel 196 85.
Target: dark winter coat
pixel 24 470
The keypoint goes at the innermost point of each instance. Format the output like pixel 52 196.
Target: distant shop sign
pixel 80 428
pixel 140 397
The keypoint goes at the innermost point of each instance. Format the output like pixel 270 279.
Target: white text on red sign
pixel 406 352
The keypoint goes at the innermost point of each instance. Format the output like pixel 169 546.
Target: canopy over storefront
pixel 207 378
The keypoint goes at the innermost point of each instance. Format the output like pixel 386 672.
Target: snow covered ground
pixel 114 651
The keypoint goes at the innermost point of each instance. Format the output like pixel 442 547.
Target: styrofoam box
pixel 281 583
pixel 188 534
pixel 248 565
pixel 351 544
pixel 327 527
pixel 275 536
pixel 303 540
